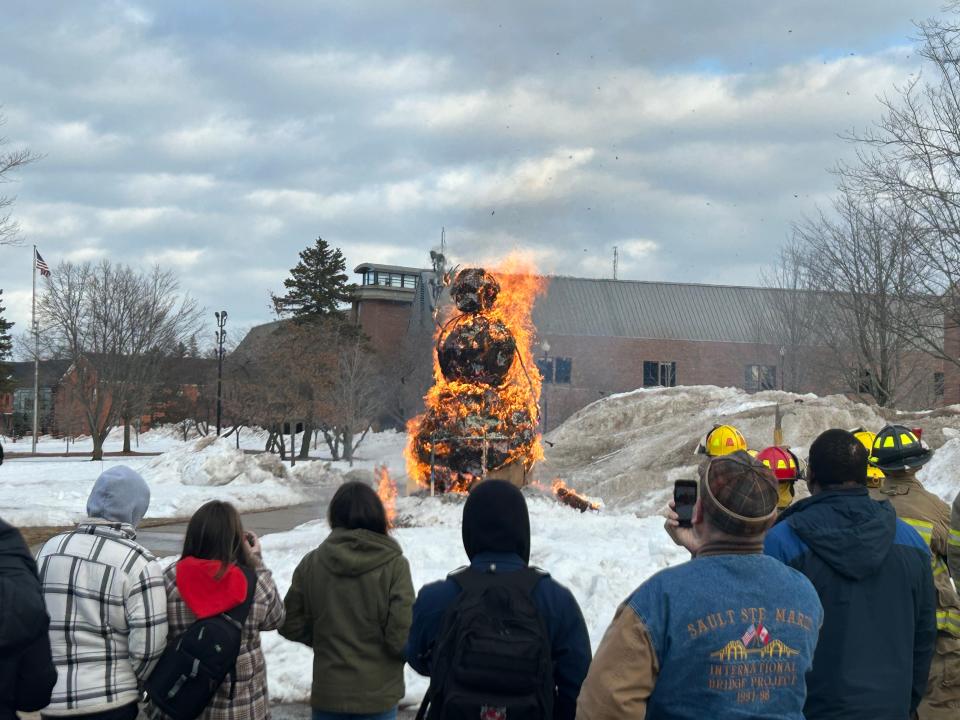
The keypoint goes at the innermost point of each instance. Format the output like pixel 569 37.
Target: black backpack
pixel 492 659
pixel 192 669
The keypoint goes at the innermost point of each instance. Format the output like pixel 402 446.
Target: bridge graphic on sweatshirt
pixel 736 650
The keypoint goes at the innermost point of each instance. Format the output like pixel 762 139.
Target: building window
pixel 410 281
pixel 563 369
pixel 760 377
pixel 659 373
pixel 545 366
pixel 939 386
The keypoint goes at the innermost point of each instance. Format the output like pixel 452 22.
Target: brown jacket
pixel 929 516
pixel 953 543
pixel 623 672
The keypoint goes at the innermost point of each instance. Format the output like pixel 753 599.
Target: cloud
pixel 689 135
pixel 180 258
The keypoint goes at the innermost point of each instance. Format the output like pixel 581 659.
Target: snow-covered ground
pixel 53 491
pixel 600 557
pixel 47 491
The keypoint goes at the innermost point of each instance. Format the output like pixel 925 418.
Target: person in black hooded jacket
pixel 496 537
pixel 872 573
pixel 27 674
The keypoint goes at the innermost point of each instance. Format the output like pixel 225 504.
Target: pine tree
pixel 6 347
pixel 317 285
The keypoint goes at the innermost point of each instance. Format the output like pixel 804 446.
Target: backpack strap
pixel 471 579
pixel 240 612
pixel 239 615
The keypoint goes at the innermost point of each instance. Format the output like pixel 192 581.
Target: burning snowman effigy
pixel 482 411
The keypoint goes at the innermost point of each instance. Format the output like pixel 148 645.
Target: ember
pixel 482 411
pixel 569 496
pixel 387 490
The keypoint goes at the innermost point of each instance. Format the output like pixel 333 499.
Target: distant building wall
pixel 951 371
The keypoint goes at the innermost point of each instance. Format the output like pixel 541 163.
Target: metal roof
pixel 364 267
pixel 656 310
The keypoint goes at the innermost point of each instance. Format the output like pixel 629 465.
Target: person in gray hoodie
pixel 107 604
pixel 351 601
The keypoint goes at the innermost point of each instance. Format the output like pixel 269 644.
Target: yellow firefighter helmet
pixel 723 440
pixel 874 474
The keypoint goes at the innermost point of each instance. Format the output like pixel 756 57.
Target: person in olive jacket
pixel 351 601
pixel 27 674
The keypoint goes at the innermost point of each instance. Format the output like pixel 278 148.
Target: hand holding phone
pixel 684 498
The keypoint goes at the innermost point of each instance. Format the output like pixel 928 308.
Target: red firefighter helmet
pixel 784 463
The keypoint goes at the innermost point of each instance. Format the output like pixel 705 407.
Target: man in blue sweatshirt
pixel 872 573
pixel 730 634
pixel 496 536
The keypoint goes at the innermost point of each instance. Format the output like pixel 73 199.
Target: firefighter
pixel 899 454
pixel 722 440
pixel 874 474
pixel 786 468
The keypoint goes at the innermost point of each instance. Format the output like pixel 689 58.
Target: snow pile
pixel 941 475
pixel 629 448
pixel 54 491
pixel 622 552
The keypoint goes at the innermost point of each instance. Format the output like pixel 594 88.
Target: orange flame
pixel 569 496
pixel 387 490
pixel 519 287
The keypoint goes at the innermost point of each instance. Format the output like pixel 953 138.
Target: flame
pixel 569 496
pixel 387 490
pixel 519 395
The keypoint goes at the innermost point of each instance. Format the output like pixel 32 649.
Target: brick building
pixel 597 337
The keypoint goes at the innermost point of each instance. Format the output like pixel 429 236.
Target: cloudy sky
pixel 221 138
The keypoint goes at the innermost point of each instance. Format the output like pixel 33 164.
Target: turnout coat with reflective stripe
pixel 108 616
pixel 929 516
pixel 953 542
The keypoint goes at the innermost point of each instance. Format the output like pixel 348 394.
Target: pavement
pixel 165 540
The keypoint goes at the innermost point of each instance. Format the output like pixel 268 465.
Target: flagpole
pixel 36 354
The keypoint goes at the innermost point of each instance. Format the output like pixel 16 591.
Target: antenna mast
pixel 616 261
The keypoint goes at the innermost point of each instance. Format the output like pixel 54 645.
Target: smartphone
pixel 684 498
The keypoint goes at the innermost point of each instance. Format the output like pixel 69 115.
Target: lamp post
pixel 221 335
pixel 783 355
pixel 545 347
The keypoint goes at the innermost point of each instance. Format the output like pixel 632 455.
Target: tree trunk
pixel 305 442
pixel 98 438
pixel 333 442
pixel 348 445
pixel 238 437
pixel 126 435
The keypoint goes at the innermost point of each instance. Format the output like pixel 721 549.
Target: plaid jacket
pixel 250 700
pixel 108 616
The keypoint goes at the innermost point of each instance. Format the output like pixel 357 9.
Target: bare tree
pixel 356 396
pixel 912 156
pixel 116 325
pixel 857 263
pixel 10 162
pixel 795 308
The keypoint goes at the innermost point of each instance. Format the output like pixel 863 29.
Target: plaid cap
pixel 739 494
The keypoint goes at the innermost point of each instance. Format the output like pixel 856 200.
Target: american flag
pixel 749 635
pixel 42 265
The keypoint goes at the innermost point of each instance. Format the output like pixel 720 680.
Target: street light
pixel 220 335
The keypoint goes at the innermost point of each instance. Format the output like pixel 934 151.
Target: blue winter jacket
pixel 569 641
pixel 872 573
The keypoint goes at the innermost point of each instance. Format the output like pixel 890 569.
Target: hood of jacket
pixel 356 552
pixel 119 495
pixel 208 589
pixel 845 528
pixel 496 519
pixel 24 613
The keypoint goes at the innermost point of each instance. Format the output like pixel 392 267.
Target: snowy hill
pixel 629 448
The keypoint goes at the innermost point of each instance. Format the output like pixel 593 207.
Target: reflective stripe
pixel 948 621
pixel 921 526
pixel 939 566
pixel 954 538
